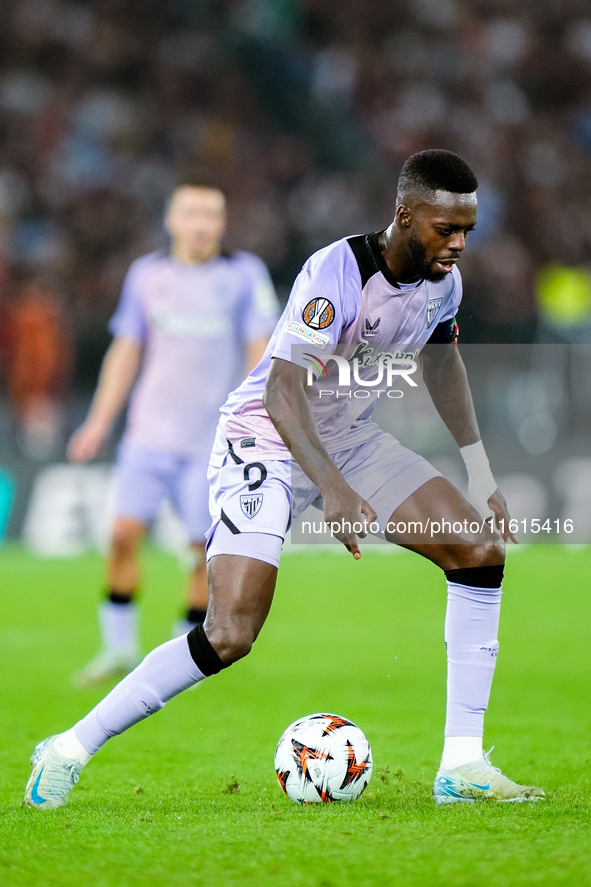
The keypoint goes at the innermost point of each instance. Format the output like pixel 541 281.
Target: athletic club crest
pixel 250 503
pixel 433 307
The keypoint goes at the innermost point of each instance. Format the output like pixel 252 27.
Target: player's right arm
pixel 261 311
pixel 121 364
pixel 289 409
pixel 118 373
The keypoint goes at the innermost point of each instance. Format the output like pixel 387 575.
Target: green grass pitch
pixel 189 797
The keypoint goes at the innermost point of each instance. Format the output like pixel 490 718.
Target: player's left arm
pixel 447 382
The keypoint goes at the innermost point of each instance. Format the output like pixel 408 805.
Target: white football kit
pixel 348 322
pixel 194 322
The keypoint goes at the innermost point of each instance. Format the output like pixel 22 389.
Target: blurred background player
pixel 189 325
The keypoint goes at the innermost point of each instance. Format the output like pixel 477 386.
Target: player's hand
pixel 348 516
pixel 498 506
pixel 481 488
pixel 86 442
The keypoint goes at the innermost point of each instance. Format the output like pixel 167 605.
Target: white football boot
pixel 53 777
pixel 106 665
pixel 480 781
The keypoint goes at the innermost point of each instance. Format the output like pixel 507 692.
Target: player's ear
pixel 403 216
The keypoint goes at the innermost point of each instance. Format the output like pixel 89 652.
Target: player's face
pixel 196 220
pixel 437 234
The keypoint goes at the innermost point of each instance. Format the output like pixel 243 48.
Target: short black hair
pixel 435 170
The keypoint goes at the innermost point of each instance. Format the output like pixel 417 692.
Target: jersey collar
pixel 379 261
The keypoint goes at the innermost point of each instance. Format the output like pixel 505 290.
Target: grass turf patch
pixel 190 796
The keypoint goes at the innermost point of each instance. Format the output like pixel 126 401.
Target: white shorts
pixel 261 497
pixel 144 478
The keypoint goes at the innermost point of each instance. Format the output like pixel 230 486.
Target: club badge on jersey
pixel 433 307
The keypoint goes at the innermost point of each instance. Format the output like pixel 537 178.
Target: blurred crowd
pixel 304 110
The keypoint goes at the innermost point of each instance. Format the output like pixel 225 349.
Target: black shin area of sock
pixel 204 656
pixel 477 577
pixel 119 597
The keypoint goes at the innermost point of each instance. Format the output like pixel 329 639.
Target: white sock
pixel 164 673
pixel 460 750
pixel 119 626
pixel 69 746
pixel 471 627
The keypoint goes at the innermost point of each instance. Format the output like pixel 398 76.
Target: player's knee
pixel 232 640
pixel 491 552
pixel 487 553
pixel 219 648
pixel 124 539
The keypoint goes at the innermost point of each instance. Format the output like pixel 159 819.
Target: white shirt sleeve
pixel 323 302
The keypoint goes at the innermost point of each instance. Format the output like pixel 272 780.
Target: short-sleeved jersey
pixel 345 301
pixel 193 321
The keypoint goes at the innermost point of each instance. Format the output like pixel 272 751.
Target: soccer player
pixel 281 446
pixel 189 325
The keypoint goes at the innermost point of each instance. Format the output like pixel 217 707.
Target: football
pixel 323 758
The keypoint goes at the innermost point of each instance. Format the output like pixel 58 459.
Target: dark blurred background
pixel 304 110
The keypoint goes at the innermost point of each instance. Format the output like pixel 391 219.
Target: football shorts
pixel 144 478
pixel 262 496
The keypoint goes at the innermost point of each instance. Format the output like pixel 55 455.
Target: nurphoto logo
pixel 388 368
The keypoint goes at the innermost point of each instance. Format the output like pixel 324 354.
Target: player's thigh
pixel 250 501
pixel 241 591
pixel 438 523
pixel 384 473
pixel 142 481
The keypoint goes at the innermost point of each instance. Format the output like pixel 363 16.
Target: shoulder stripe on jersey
pixel 364 256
